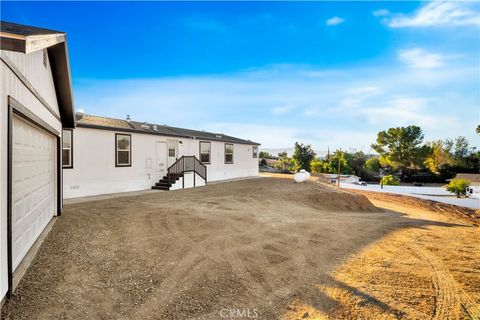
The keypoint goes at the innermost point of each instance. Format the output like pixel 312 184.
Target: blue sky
pixel 331 74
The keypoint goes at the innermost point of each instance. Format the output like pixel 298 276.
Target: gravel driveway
pixel 245 248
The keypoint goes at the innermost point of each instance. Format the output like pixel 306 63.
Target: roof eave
pixel 58 55
pixel 29 44
pixel 94 126
pixel 56 45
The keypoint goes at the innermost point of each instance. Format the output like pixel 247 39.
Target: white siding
pixel 94 170
pixel 32 68
pixel 244 165
pixel 11 85
pixel 189 183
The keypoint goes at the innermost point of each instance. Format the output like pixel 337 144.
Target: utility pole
pixel 338 176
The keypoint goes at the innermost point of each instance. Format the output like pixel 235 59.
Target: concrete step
pixel 161 187
pixel 160 184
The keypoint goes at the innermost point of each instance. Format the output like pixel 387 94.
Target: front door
pixel 160 158
pixel 172 151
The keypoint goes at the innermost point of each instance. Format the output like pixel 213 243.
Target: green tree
pixel 439 157
pixel 285 164
pixel 303 155
pixel 373 165
pixel 390 180
pixel 461 149
pixel 478 129
pixel 264 155
pixel 458 186
pixel 283 154
pixel 399 147
pixel 356 161
pixel 332 165
pixel 316 166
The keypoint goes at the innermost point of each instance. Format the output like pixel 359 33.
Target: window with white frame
pixel 67 148
pixel 255 152
pixel 123 150
pixel 205 151
pixel 228 153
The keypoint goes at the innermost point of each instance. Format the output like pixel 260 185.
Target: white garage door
pixel 33 185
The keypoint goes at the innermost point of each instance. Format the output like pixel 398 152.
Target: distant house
pixel 344 178
pixel 474 178
pixel 106 155
pixel 35 105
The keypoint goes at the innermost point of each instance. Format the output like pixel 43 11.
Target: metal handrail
pixel 187 164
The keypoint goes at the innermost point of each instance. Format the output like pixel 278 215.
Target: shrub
pixel 286 165
pixel 390 180
pixel 458 186
pixel 263 162
pixel 316 166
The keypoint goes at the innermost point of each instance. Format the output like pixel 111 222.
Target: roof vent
pixel 45 59
pixel 219 136
pixel 128 117
pixel 155 127
pixel 145 126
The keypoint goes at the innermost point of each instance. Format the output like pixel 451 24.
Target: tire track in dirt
pixel 273 287
pixel 446 299
pixel 165 292
pixel 450 297
pixel 196 246
pixel 272 271
pixel 231 255
pixel 252 285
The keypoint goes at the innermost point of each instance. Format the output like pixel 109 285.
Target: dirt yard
pixel 264 248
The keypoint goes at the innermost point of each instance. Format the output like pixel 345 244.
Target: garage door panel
pixel 33 185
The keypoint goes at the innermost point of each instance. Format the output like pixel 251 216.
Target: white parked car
pixel 473 192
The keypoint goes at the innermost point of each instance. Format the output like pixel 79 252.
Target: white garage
pixel 33 184
pixel 36 105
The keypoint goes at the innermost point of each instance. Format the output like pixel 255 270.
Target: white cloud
pixel 368 90
pixel 438 13
pixel 420 58
pixel 334 21
pixel 403 111
pixel 381 13
pixel 357 101
pixel 355 97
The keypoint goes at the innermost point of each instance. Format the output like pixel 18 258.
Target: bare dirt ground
pixel 263 248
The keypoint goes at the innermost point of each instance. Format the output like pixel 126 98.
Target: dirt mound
pixel 324 199
pixel 448 210
pixel 317 195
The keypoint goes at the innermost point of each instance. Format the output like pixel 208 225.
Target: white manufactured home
pixel 104 155
pixel 35 105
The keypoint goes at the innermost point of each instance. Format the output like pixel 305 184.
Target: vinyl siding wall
pixel 33 69
pixel 94 170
